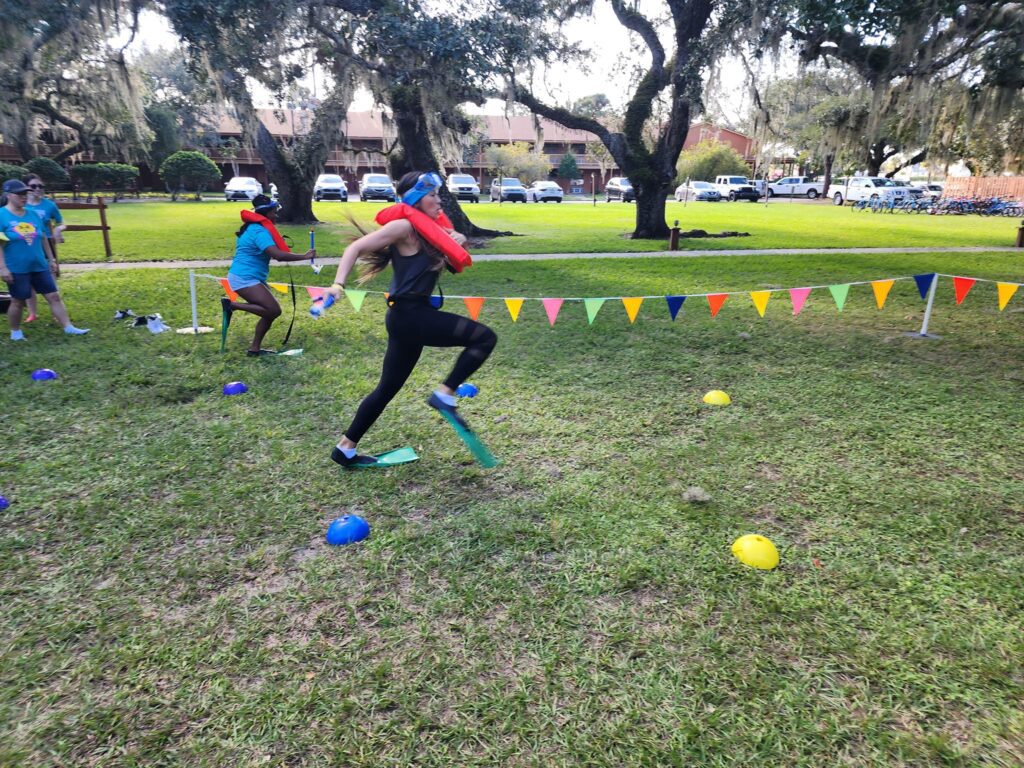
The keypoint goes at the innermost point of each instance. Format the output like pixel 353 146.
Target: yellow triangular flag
pixel 355 298
pixel 881 289
pixel 632 306
pixel 514 305
pixel 279 287
pixel 760 299
pixel 1006 291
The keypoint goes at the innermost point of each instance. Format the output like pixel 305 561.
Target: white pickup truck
pixel 868 188
pixel 736 188
pixel 796 186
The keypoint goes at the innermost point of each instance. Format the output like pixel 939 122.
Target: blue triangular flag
pixel 924 282
pixel 674 303
pixel 435 302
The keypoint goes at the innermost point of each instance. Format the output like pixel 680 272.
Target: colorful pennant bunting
pixel 674 303
pixel 514 306
pixel 924 282
pixel 632 306
pixel 593 306
pixel 1006 291
pixel 881 289
pixel 961 287
pixel 473 305
pixel 279 287
pixel 839 294
pixel 715 302
pixel 798 296
pixel 760 299
pixel 227 289
pixel 551 306
pixel 355 298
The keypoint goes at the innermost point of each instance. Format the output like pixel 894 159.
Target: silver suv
pixel 330 186
pixel 620 188
pixel 508 189
pixel 464 187
pixel 376 186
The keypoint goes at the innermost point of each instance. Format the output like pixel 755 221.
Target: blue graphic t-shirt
pixel 48 211
pixel 23 248
pixel 250 262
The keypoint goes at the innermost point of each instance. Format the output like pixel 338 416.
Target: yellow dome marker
pixel 756 551
pixel 717 397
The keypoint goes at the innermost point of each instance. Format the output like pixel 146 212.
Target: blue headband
pixel 271 206
pixel 425 184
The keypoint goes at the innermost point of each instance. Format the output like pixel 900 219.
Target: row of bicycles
pixel 983 206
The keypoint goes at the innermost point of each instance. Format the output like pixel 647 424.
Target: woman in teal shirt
pixel 247 276
pixel 53 226
pixel 24 257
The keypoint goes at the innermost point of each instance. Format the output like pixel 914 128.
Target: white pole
pixel 928 309
pixel 192 289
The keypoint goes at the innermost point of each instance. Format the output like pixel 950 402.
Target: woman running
pixel 418 241
pixel 258 243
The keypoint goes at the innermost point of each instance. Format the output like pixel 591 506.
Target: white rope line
pixel 660 295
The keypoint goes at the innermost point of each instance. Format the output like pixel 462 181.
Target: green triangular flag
pixel 356 298
pixel 839 293
pixel 593 306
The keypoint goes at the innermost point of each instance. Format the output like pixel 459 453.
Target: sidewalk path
pixel 484 257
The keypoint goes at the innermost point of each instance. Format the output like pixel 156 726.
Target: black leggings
pixel 411 327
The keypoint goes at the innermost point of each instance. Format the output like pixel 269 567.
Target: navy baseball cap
pixel 15 187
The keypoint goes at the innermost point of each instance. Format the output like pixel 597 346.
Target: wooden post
pixel 106 229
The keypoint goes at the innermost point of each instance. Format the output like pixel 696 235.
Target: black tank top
pixel 412 276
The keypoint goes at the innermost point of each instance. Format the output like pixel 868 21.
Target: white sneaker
pixel 72 331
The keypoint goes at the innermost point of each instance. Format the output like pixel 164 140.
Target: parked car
pixel 912 192
pixel 620 188
pixel 698 190
pixel 242 188
pixel 736 188
pixel 464 187
pixel 544 191
pixel 932 190
pixel 330 186
pixel 864 188
pixel 797 186
pixel 511 190
pixel 376 186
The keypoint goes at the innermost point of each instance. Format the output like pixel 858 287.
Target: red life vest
pixel 431 231
pixel 251 217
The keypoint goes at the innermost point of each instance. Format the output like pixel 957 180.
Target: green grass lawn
pixel 168 599
pixel 190 230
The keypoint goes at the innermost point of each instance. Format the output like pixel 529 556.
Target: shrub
pixel 189 171
pixel 88 176
pixel 709 159
pixel 8 171
pixel 49 171
pixel 568 169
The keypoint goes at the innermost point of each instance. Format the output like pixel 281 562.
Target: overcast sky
pixel 609 71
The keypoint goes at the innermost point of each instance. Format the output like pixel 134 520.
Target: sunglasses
pixel 36 186
pixel 19 194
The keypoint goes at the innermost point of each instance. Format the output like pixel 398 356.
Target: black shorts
pixel 25 282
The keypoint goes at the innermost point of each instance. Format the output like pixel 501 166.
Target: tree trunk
pixel 827 175
pixel 417 154
pixel 294 185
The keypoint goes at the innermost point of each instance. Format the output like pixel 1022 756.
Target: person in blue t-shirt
pixel 26 262
pixel 250 268
pixel 53 224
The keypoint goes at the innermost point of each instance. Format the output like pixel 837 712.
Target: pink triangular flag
pixel 798 296
pixel 551 306
pixel 315 293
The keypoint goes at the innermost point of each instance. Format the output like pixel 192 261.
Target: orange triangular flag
pixel 514 305
pixel 760 299
pixel 473 305
pixel 1006 291
pixel 962 286
pixel 632 306
pixel 227 289
pixel 881 289
pixel 715 301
